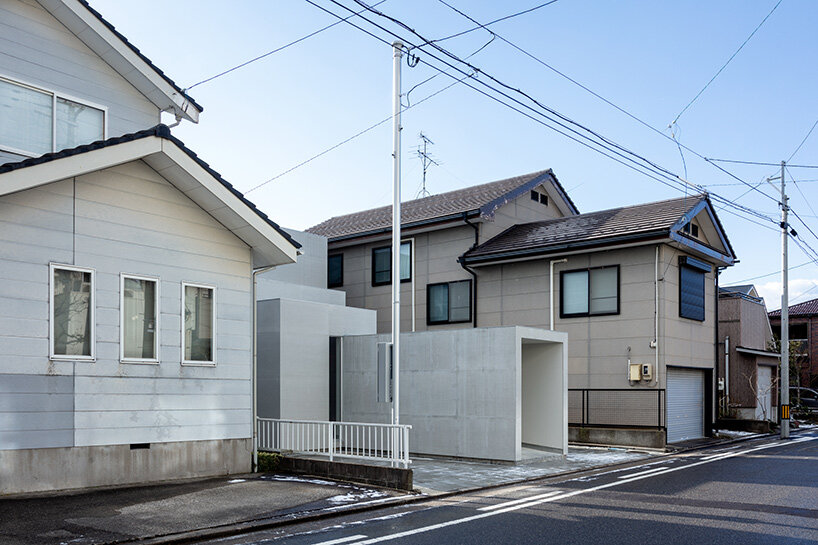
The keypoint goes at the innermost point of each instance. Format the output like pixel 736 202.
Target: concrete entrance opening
pixel 544 405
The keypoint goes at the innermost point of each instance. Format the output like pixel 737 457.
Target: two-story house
pixel 803 319
pixel 127 267
pixel 634 288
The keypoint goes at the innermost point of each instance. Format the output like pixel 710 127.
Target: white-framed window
pixel 71 324
pixel 198 324
pixel 34 121
pixel 138 319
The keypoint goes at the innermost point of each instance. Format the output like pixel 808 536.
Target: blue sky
pixel 650 58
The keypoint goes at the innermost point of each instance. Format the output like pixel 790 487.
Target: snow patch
pixel 237 481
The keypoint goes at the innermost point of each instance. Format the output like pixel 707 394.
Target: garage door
pixel 685 404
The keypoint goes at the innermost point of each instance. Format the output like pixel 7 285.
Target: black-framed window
pixel 691 287
pixel 448 302
pixel 335 271
pixel 382 264
pixel 589 292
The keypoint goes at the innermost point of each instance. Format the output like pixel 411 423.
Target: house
pixel 803 320
pixel 747 366
pixel 633 285
pixel 128 268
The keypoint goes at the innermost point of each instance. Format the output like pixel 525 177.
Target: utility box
pixel 647 371
pixel 384 372
pixel 635 372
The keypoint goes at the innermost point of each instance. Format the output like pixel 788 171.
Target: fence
pixel 382 442
pixel 618 408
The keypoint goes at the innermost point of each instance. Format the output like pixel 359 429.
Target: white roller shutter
pixel 764 399
pixel 685 404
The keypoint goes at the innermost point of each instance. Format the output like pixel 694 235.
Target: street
pixel 757 492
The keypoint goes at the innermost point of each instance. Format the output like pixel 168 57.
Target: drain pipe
pixel 551 281
pixel 255 274
pixel 469 269
pixel 655 343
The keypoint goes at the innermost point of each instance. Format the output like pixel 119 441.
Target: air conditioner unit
pixel 647 371
pixel 635 372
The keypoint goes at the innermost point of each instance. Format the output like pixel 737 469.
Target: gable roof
pixel 641 222
pixel 744 289
pixel 807 308
pixel 106 41
pixel 180 166
pixel 479 200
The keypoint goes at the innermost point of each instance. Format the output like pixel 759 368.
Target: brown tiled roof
pixel 594 228
pixel 483 199
pixel 801 309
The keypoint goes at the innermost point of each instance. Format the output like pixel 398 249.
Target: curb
pixel 254 525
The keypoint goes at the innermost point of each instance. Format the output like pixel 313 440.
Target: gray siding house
pixel 127 267
pixel 634 288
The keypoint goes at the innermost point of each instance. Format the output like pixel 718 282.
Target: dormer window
pixel 691 229
pixel 541 198
pixel 36 121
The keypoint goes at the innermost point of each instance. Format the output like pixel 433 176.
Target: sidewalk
pixel 222 506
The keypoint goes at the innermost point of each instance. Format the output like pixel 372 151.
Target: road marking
pixel 341 540
pixel 532 502
pixel 641 473
pixel 515 502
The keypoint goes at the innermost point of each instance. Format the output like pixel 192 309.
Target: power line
pixel 479 26
pixel 804 140
pixel 689 104
pixel 762 163
pixel 810 262
pixel 265 55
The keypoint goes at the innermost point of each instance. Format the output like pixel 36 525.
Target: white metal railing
pixel 383 442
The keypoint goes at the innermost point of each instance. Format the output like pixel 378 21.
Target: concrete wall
pixel 126 219
pixel 462 390
pixel 36 49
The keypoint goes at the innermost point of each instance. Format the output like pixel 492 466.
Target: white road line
pixel 515 502
pixel 341 540
pixel 641 473
pixel 533 503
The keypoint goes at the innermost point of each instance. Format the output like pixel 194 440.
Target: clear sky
pixel 650 58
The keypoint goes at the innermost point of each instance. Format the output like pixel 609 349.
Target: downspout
pixel 256 272
pixel 469 269
pixel 726 373
pixel 551 281
pixel 716 334
pixel 655 344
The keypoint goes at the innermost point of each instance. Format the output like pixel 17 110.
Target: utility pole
pixel 426 160
pixel 397 53
pixel 785 316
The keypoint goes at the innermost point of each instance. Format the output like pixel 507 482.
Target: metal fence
pixel 382 442
pixel 617 408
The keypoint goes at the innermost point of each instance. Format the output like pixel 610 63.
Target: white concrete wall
pixel 36 49
pixel 124 219
pixel 460 390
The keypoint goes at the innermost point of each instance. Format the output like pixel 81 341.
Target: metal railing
pixel 616 408
pixel 381 442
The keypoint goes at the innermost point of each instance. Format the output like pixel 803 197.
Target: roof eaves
pixel 488 209
pixel 408 225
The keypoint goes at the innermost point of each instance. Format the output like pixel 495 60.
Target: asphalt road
pixel 758 492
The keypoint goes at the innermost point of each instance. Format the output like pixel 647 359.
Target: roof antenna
pixel 426 159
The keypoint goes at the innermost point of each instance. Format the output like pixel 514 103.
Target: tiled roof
pixel 594 228
pixel 806 308
pixel 133 48
pixel 161 131
pixel 485 199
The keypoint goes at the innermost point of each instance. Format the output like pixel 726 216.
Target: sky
pixel 648 58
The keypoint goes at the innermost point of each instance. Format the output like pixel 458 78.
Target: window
pixel 199 325
pixel 72 312
pixel 541 198
pixel 691 287
pixel 691 229
pixel 335 271
pixel 589 292
pixel 544 199
pixel 34 121
pixel 139 319
pixel 382 264
pixel 448 303
pixel 535 196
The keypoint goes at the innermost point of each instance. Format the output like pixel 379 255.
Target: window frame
pixel 54 96
pixel 703 268
pixel 429 320
pixel 157 299
pixel 341 282
pixel 52 267
pixel 198 363
pixel 589 313
pixel 389 247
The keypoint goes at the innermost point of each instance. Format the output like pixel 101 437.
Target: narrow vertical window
pixel 335 271
pixel 199 324
pixel 382 264
pixel 72 312
pixel 139 331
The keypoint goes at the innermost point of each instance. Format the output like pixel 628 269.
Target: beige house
pixel 634 288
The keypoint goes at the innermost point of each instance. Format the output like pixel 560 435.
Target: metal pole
pixel 784 387
pixel 397 53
